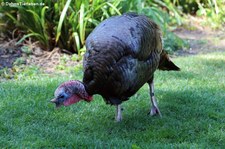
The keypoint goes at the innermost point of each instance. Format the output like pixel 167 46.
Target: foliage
pixel 61 23
pixel 187 6
pixel 214 11
pixel 66 24
pixel 191 101
pixel 81 20
pixel 172 42
pixel 155 11
pixel 28 19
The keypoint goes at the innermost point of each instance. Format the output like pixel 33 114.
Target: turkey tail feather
pixel 166 64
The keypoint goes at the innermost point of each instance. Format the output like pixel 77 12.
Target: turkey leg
pixel 154 110
pixel 118 113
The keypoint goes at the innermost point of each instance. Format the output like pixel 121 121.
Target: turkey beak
pixel 55 101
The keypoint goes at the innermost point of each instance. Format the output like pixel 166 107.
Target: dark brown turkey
pixel 122 55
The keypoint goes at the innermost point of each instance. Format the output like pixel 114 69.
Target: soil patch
pixel 9 53
pixel 201 41
pixel 32 55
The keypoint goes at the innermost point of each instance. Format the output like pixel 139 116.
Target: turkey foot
pixel 118 117
pixel 154 110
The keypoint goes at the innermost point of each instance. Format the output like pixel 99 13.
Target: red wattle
pixel 71 100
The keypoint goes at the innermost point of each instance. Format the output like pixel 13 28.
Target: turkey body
pixel 122 54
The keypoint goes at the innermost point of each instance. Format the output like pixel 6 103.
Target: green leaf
pixel 82 24
pixel 26 36
pixel 62 17
pixel 114 8
pixel 77 41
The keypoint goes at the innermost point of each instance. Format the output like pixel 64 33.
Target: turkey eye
pixel 61 96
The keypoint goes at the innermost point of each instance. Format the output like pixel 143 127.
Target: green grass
pixel 192 103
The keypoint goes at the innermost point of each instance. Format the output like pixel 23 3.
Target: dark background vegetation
pixel 66 24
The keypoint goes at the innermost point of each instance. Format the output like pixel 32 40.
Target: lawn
pixel 192 103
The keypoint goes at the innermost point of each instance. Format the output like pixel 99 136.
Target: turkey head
pixel 70 92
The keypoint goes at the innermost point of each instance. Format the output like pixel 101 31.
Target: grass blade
pixel 114 8
pixel 81 24
pixel 62 16
pixel 26 36
pixel 77 41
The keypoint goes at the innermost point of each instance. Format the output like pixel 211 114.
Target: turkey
pixel 122 55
